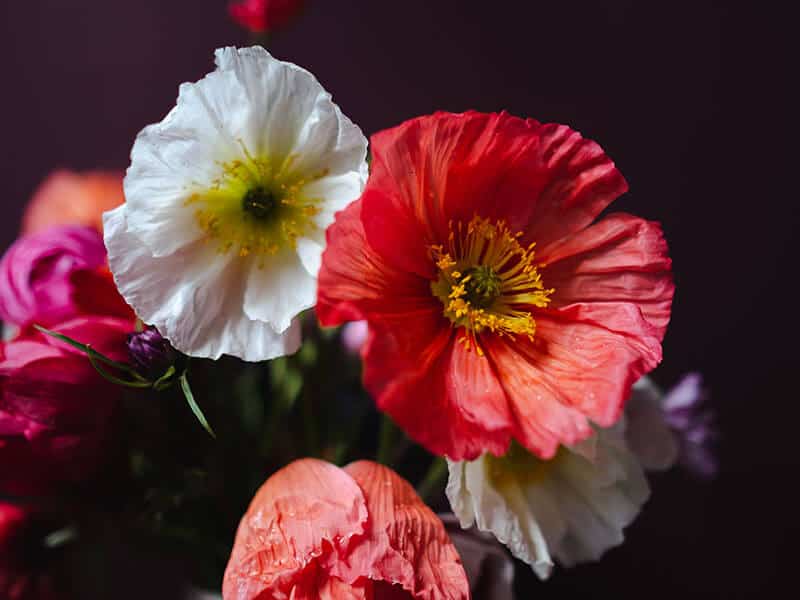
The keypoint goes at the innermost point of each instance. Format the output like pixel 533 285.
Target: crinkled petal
pixel 569 507
pixel 543 415
pixel 355 282
pixel 405 543
pixel 597 499
pixel 200 299
pixel 293 115
pixel 408 370
pixel 475 501
pixel 278 290
pixel 300 512
pixel 544 180
pixel 592 354
pixel 620 259
pixel 181 155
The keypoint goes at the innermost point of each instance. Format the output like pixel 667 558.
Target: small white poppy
pixel 572 508
pixel 227 200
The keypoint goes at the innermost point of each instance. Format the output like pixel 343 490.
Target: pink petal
pixel 301 511
pixel 405 543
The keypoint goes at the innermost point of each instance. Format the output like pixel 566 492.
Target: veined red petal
pixel 592 354
pixel 408 368
pixel 301 510
pixel 580 181
pixel 544 180
pixel 543 415
pixel 620 259
pixel 405 543
pixel 355 282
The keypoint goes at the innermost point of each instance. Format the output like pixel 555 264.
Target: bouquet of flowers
pixel 312 366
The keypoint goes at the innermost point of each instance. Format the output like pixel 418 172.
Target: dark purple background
pixel 691 101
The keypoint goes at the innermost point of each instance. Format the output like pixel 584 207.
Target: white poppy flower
pixel 572 508
pixel 227 200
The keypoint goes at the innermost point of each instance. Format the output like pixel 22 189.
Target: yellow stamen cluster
pixel 229 216
pixel 488 282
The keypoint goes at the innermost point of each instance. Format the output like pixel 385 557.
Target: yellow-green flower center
pixel 259 202
pixel 488 282
pixel 519 467
pixel 257 206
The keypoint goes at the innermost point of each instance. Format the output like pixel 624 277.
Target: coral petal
pixel 405 543
pixel 619 259
pixel 299 512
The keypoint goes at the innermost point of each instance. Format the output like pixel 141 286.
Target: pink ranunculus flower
pixel 260 16
pixel 70 198
pixel 56 411
pixel 57 274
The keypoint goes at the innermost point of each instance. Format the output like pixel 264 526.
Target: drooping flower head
pixel 55 410
pixel 70 198
pixel 573 507
pixel 316 531
pixel 497 309
pixel 260 16
pixel 57 274
pixel 227 200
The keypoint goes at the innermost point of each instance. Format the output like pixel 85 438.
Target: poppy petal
pixel 619 259
pixel 355 281
pixel 299 511
pixel 543 415
pixel 405 543
pixel 408 370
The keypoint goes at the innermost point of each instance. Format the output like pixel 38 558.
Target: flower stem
pixel 433 478
pixel 386 438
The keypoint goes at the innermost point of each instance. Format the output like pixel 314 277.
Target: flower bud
pixel 151 352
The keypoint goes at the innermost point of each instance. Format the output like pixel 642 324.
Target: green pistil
pixel 259 203
pixel 482 286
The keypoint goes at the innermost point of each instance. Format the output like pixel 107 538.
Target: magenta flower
pixel 57 274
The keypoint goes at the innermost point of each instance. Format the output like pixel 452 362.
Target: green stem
pixel 433 479
pixel 91 352
pixel 187 392
pixel 386 439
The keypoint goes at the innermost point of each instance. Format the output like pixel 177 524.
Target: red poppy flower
pixel 314 531
pixel 260 16
pixel 497 308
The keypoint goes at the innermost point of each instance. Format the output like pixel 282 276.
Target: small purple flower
pixel 686 411
pixel 151 352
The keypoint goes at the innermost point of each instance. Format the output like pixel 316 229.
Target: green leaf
pixel 113 378
pixel 165 381
pixel 91 352
pixel 187 392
